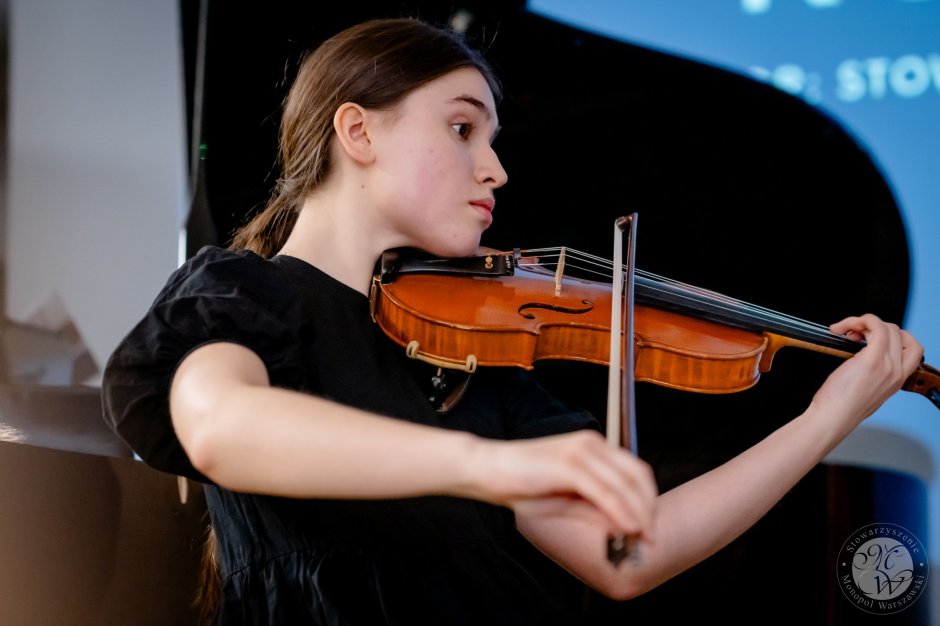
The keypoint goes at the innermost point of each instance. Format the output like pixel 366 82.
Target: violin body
pixel 462 320
pixel 520 320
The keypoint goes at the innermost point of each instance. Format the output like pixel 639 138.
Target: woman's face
pixel 435 169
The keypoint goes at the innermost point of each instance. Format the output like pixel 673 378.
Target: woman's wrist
pixel 477 476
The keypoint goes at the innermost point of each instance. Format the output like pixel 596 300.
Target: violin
pixel 518 307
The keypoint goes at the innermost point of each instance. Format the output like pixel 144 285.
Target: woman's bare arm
pixel 248 436
pixel 700 517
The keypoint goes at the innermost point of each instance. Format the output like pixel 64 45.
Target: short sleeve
pixel 218 295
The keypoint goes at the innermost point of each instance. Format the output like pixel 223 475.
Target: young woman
pixel 339 495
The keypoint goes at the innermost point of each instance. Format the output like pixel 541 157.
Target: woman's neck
pixel 326 236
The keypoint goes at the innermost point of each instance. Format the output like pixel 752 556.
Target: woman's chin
pixel 454 250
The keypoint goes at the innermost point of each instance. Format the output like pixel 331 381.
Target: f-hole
pixel 552 307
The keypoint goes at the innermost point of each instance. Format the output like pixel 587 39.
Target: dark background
pixel 594 129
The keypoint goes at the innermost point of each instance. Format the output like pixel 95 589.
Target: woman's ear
pixel 349 124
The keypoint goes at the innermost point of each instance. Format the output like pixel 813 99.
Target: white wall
pixel 97 184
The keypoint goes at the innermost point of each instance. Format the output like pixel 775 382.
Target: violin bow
pixel 621 404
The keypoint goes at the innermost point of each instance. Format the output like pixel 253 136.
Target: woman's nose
pixel 491 170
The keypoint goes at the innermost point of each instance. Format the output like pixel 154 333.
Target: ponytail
pixel 209 593
pixel 267 232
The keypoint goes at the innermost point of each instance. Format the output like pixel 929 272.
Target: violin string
pixel 706 296
pixel 709 296
pixel 692 289
pixel 713 297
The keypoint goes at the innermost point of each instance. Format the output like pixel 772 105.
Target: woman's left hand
pixel 861 384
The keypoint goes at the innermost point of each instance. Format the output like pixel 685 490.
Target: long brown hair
pixel 375 65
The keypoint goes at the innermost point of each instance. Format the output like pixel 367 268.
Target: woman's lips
pixel 485 208
pixel 487 204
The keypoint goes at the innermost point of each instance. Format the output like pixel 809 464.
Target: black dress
pixel 427 560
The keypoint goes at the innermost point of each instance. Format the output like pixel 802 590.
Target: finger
pixel 560 506
pixel 848 325
pixel 610 498
pixel 631 481
pixel 912 352
pixel 630 484
pixel 590 471
pixel 870 328
pixel 884 350
pixel 857 327
pixel 890 341
pixel 639 478
pixel 883 337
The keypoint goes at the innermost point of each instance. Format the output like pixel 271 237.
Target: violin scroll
pixel 926 381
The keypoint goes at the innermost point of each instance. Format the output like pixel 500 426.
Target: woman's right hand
pixel 571 475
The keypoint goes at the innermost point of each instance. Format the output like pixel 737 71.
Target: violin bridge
pixel 560 271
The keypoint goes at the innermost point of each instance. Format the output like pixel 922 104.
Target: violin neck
pixel 782 330
pixel 717 308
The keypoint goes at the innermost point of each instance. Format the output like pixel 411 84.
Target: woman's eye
pixel 463 129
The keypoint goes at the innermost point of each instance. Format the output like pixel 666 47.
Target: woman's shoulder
pixel 213 269
pixel 216 296
pixel 220 295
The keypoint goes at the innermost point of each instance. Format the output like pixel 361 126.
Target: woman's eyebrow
pixel 475 102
